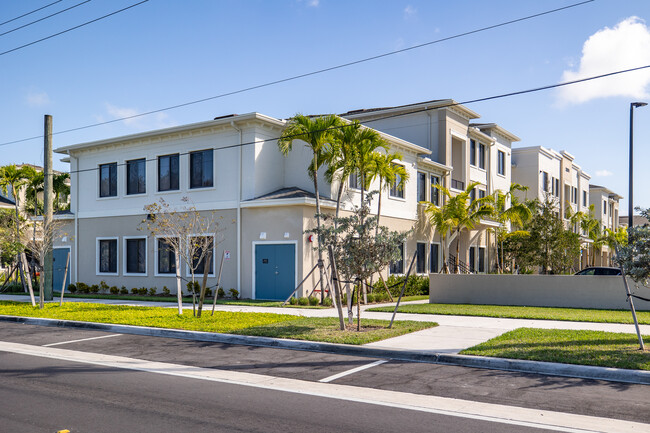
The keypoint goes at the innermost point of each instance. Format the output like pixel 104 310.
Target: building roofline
pixel 419 106
pixel 219 121
pixel 502 131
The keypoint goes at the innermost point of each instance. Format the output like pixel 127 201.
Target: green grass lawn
pixel 544 313
pixel 260 324
pixel 605 349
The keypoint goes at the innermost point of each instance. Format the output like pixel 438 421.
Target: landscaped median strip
pixel 323 329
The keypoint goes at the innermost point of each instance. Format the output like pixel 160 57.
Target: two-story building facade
pixel 605 203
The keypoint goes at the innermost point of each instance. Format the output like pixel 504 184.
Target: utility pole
pixel 47 214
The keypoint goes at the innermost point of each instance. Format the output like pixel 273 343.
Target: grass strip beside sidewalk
pixel 597 348
pixel 259 324
pixel 515 312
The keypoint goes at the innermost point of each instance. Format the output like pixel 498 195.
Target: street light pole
pixel 630 204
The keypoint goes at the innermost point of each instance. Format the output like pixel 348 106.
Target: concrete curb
pixel 515 365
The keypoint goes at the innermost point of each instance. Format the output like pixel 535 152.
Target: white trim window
pixel 397 267
pixel 168 172
pixel 136 176
pixel 397 187
pixel 422 186
pixel 165 258
pixel 202 169
pixel 135 255
pixel 108 180
pixel 501 163
pixel 435 192
pixel 434 259
pixel 107 256
pixel 421 262
pixel 199 266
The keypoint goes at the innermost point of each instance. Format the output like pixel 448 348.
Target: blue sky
pixel 167 52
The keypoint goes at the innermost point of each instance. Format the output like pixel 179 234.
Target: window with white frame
pixel 545 181
pixel 135 255
pixel 397 187
pixel 435 192
pixel 198 261
pixel 168 172
pixel 472 259
pixel 584 198
pixel 166 257
pixel 604 207
pixel 501 163
pixel 397 267
pixel 421 263
pixel 481 156
pixel 107 256
pixel 201 169
pixel 433 258
pixel 472 153
pixel 136 176
pixel 108 180
pixel 481 259
pixel 422 186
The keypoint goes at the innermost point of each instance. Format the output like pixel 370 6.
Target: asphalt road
pixel 47 394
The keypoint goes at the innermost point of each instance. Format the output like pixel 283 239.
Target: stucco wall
pixel 531 290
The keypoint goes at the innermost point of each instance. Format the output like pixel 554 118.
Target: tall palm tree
pixel 591 226
pixel 508 210
pixel 388 173
pixel 463 212
pixel 61 189
pixel 367 142
pixel 340 159
pixel 35 184
pixel 443 223
pixel 317 134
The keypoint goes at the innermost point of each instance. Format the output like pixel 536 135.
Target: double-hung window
pixel 166 258
pixel 107 255
pixel 433 258
pixel 544 181
pixel 435 192
pixel 136 256
pixel 422 186
pixel 604 207
pixel 201 169
pixel 501 163
pixel 481 156
pixel 136 176
pixel 397 187
pixel 584 198
pixel 168 173
pixel 108 180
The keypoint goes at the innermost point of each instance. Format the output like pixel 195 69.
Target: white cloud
pixel 152 121
pixel 314 3
pixel 409 11
pixel 625 46
pixel 604 173
pixel 37 99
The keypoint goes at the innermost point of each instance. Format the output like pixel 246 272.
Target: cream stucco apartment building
pixel 606 208
pixel 231 166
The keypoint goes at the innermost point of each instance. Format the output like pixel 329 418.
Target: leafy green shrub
pixel 83 288
pixel 103 287
pixel 313 300
pixel 370 297
pixel 208 291
pixel 234 293
pixel 327 302
pixel 114 290
pixel 72 288
pixel 303 301
pixel 143 291
pixel 134 291
pixel 165 291
pixel 94 288
pixel 293 300
pixel 196 286
pixel 221 293
pixel 345 298
pixel 416 285
pixel 152 291
pixel 124 291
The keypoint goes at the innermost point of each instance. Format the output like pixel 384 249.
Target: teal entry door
pixel 60 255
pixel 275 271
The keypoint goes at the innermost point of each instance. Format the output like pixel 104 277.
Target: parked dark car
pixel 599 270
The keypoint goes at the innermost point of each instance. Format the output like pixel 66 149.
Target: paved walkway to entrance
pixel 453 334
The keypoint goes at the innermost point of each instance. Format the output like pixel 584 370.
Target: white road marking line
pixel 352 371
pixel 512 415
pixel 83 339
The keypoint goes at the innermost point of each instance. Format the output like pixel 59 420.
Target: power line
pixel 466 102
pixel 31 12
pixel 72 28
pixel 44 18
pixel 295 77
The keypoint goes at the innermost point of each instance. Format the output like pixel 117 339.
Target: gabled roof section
pixel 410 108
pixel 6 201
pixel 285 193
pixel 611 194
pixel 219 121
pixel 292 196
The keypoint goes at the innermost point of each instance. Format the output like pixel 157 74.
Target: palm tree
pixel 443 223
pixel 366 142
pixel 591 226
pixel 35 184
pixel 317 134
pixel 13 178
pixel 388 173
pixel 61 189
pixel 463 212
pixel 515 214
pixel 340 159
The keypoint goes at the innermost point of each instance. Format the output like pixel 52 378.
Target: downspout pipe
pixel 239 198
pixel 75 167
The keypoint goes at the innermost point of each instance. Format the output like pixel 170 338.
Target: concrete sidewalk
pixel 454 333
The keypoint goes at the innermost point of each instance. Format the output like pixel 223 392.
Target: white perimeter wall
pixel 571 291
